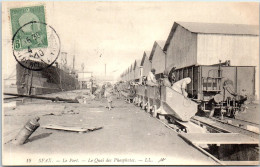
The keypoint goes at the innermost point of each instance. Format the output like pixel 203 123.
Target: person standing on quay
pixel 108 94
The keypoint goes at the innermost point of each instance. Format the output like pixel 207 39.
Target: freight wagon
pixel 218 87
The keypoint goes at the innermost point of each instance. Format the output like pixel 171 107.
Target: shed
pixel 146 63
pixel 191 43
pixel 137 70
pixel 132 73
pixel 157 57
pixel 123 78
pixel 127 74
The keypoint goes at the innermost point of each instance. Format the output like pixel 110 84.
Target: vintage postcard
pixel 130 83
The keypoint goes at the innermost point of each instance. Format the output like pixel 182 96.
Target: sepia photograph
pixel 130 83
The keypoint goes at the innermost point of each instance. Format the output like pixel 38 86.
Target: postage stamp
pixel 31 35
pixel 36 45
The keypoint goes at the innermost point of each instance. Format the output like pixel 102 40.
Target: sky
pixel 117 33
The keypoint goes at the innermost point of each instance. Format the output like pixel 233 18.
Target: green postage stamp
pixel 28 27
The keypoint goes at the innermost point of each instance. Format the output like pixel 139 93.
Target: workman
pixel 165 80
pixel 97 92
pixel 172 78
pixel 229 88
pixel 94 88
pixel 108 95
pixel 181 85
pixel 103 90
pixel 144 80
pixel 116 90
pixel 151 80
pixel 229 91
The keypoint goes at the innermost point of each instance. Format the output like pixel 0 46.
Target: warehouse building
pixel 192 43
pixel 157 57
pixel 138 70
pixel 123 76
pixel 146 63
pixel 131 76
pixel 127 74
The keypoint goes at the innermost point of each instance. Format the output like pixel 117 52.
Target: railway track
pixel 253 123
pixel 227 141
pixel 241 121
pixel 215 125
pixel 245 127
pixel 225 127
pixel 205 151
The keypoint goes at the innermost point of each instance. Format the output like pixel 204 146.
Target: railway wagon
pixel 208 80
pixel 153 97
pixel 147 96
pixel 127 91
pixel 165 101
pixel 141 96
pixel 219 86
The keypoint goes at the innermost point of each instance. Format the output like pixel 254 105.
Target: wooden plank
pixel 219 138
pixel 70 128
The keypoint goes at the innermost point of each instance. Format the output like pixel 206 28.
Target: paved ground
pixel 129 136
pixel 251 114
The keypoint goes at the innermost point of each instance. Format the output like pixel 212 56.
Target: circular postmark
pixel 36 46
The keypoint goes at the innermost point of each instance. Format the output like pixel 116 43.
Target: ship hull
pixel 48 80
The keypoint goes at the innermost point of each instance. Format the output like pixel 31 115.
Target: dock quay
pixel 127 131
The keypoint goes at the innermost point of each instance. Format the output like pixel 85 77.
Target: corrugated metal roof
pixel 220 28
pixel 160 43
pixel 214 28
